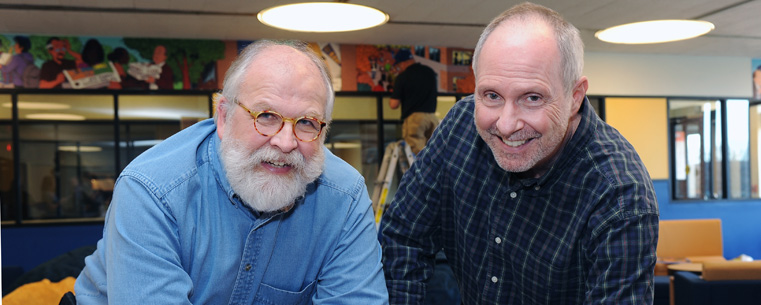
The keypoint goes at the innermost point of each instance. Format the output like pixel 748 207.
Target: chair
pixel 730 282
pixel 694 240
pixel 68 299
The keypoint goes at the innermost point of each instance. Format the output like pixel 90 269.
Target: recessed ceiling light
pixel 55 116
pixel 654 31
pixel 80 148
pixel 38 105
pixel 322 17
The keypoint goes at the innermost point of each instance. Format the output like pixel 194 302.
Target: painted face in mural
pixel 159 54
pixel 57 49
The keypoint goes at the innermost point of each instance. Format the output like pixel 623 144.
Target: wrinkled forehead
pixel 515 40
pixel 288 71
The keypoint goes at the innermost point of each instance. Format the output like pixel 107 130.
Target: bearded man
pixel 249 208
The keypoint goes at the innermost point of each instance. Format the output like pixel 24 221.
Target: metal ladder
pixel 395 152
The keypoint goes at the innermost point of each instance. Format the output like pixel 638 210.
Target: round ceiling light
pixel 322 17
pixel 655 31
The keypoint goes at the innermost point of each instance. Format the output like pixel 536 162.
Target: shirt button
pixel 494 279
pixel 248 267
pixel 498 240
pixel 513 195
pixel 537 187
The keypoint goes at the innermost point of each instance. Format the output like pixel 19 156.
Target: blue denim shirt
pixel 176 233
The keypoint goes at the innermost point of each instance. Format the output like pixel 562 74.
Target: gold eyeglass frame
pixel 293 121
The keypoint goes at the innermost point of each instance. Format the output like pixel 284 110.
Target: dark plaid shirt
pixel 583 233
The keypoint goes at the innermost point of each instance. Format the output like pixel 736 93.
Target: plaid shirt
pixel 583 233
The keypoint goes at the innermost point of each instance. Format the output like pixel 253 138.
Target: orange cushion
pixel 731 270
pixel 43 292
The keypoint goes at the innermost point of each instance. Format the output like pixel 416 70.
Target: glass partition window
pixel 71 147
pixel 7 175
pixel 754 114
pixel 713 148
pixel 353 133
pixel 66 146
pixel 697 133
pixel 146 120
pixel 443 104
pixel 738 149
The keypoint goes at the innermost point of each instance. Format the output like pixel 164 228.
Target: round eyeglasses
pixel 269 123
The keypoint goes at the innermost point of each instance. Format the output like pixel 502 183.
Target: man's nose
pixel 509 120
pixel 285 140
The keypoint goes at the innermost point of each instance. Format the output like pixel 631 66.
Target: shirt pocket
pixel 276 296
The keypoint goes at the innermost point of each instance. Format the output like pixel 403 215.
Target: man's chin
pixel 512 166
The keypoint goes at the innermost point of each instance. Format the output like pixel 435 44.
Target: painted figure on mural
pixel 51 73
pixel 165 81
pixel 92 54
pixel 120 58
pixel 15 70
pixel 757 83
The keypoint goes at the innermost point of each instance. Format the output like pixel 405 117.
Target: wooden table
pixel 691 267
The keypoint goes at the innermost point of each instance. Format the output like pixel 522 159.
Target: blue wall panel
pixel 740 219
pixel 32 245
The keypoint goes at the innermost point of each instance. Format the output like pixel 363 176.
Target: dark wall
pixel 29 246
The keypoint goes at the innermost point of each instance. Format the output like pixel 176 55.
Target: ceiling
pixel 446 23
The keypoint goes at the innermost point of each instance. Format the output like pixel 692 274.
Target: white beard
pixel 257 187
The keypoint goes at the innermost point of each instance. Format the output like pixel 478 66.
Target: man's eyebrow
pixel 314 114
pixel 263 105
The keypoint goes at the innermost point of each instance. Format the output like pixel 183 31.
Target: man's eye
pixel 308 123
pixel 533 99
pixel 492 96
pixel 265 115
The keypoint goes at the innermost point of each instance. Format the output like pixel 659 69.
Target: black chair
pixel 68 299
pixel 733 282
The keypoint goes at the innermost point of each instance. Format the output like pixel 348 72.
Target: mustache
pixel 270 154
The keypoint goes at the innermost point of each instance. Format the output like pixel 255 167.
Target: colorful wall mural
pixel 377 66
pixel 48 62
pixel 68 62
pixel 756 71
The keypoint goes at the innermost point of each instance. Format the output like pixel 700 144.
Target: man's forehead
pixel 520 37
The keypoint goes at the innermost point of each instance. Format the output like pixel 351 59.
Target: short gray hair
pixel 567 36
pixel 234 75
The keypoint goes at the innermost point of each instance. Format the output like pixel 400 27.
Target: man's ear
pixel 222 106
pixel 579 93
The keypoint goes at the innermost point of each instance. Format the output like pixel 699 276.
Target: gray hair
pixel 567 36
pixel 234 75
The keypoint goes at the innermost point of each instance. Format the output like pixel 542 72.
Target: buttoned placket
pixel 259 246
pixel 498 240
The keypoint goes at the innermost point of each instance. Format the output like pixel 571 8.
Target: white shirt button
pixel 498 240
pixel 494 279
pixel 537 187
pixel 513 195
